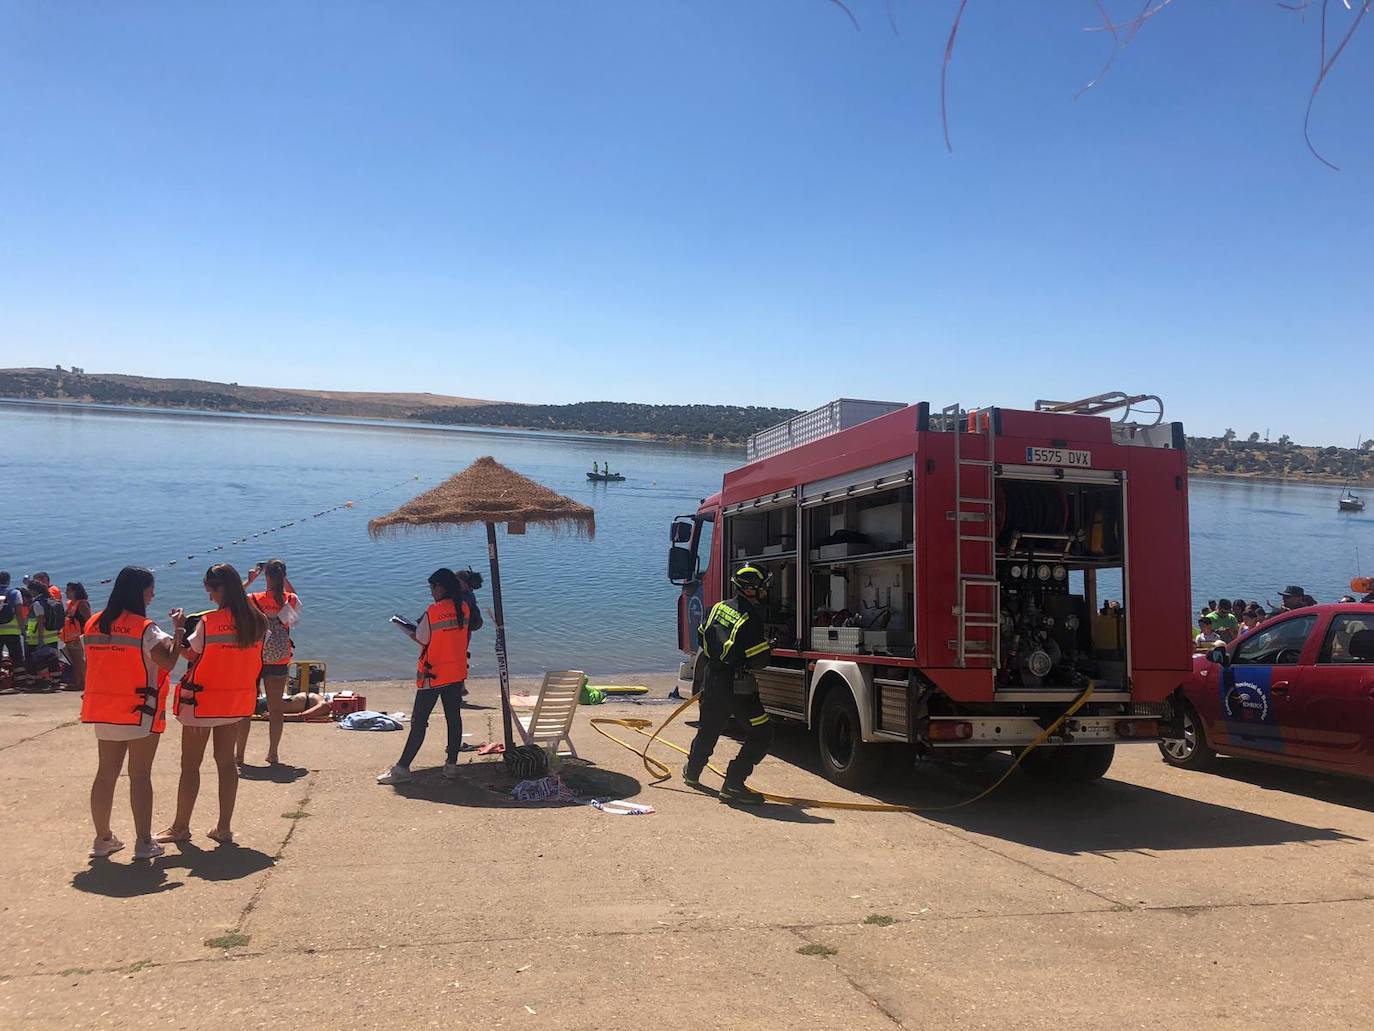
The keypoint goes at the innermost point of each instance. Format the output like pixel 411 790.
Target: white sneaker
pixel 103 847
pixel 395 775
pixel 149 849
pixel 451 771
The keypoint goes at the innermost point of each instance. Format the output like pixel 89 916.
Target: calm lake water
pixel 89 490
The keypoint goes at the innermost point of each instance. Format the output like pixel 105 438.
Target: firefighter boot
pixel 740 794
pixel 693 780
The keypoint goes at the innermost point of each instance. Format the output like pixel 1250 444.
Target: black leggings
pixel 452 697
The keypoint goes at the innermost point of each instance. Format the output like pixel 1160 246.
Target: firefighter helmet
pixel 749 578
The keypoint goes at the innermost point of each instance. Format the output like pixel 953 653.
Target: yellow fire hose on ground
pixel 661 771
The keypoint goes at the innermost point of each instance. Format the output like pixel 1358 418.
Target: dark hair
pixel 1224 604
pixel 1238 603
pixel 76 591
pixel 275 571
pixel 447 581
pixel 1205 619
pixel 126 596
pixel 4 579
pixel 249 623
pixel 1211 603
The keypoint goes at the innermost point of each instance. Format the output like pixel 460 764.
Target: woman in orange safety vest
pixel 128 660
pixel 442 634
pixel 283 611
pixel 78 615
pixel 219 690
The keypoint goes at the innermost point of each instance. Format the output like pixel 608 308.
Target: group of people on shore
pixel 240 641
pixel 38 629
pixel 1223 620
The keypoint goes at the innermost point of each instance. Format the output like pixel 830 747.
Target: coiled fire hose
pixel 662 772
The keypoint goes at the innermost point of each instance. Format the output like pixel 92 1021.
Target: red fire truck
pixel 954 580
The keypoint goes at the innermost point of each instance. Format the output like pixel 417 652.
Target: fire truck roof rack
pixel 1112 401
pixel 820 422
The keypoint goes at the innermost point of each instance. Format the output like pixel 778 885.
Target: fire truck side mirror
pixel 682 566
pixel 1220 656
pixel 681 533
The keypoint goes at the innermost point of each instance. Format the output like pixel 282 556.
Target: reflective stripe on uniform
pixel 758 649
pixel 759 721
pixel 97 640
pixel 446 624
pixel 221 639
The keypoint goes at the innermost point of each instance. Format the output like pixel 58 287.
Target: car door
pixel 1257 693
pixel 1337 695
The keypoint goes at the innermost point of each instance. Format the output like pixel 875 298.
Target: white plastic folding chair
pixel 550 724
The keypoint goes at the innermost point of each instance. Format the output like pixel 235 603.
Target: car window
pixel 1336 648
pixel 1277 645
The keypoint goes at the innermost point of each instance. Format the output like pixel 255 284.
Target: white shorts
pixel 120 732
pixel 187 718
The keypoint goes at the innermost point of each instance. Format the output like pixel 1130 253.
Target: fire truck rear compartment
pixel 1060 556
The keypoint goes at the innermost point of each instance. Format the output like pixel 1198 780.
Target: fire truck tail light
pixel 950 730
pixel 1137 728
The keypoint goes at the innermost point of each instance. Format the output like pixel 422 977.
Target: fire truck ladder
pixel 978 606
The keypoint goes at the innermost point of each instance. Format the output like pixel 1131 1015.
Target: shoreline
pixel 1313 481
pixel 374 422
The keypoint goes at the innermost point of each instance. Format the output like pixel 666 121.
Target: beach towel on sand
pixel 369 720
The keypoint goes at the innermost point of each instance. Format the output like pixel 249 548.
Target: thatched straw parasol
pixel 487 492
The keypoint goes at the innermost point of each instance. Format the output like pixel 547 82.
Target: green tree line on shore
pixel 1228 455
pixel 728 424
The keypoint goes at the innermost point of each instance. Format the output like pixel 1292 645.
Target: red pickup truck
pixel 1297 690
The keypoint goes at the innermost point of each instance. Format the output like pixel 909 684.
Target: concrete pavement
pixel 1242 899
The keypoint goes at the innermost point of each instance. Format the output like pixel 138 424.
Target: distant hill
pixel 110 388
pixel 729 424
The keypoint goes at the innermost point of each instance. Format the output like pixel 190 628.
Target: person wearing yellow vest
pixel 218 691
pixel 282 608
pixel 442 634
pixel 129 658
pixel 11 623
pixel 42 633
pixel 78 615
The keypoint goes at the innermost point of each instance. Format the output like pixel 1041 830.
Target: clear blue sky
pixel 727 201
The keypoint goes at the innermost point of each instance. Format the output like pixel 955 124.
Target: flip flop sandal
pixel 227 839
pixel 168 838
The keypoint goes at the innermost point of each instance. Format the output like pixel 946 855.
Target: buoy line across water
pixel 244 538
pixel 662 772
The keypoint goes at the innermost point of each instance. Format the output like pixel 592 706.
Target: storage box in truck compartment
pixel 841 639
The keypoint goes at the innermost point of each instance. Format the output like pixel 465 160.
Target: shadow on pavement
pixel 123 880
pixel 279 774
pixel 486 785
pixel 223 863
pixel 1103 816
pixel 1323 787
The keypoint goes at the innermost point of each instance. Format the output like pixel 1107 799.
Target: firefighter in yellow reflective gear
pixel 735 644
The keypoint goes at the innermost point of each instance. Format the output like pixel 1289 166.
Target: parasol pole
pixel 502 667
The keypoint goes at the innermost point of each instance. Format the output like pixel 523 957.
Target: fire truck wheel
pixel 1076 764
pixel 1190 751
pixel 846 759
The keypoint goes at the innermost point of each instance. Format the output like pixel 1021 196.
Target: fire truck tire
pixel 1077 764
pixel 846 759
pixel 1191 751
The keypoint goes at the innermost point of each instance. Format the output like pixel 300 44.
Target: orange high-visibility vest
pixel 71 629
pixel 445 659
pixel 267 604
pixel 223 679
pixel 121 686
